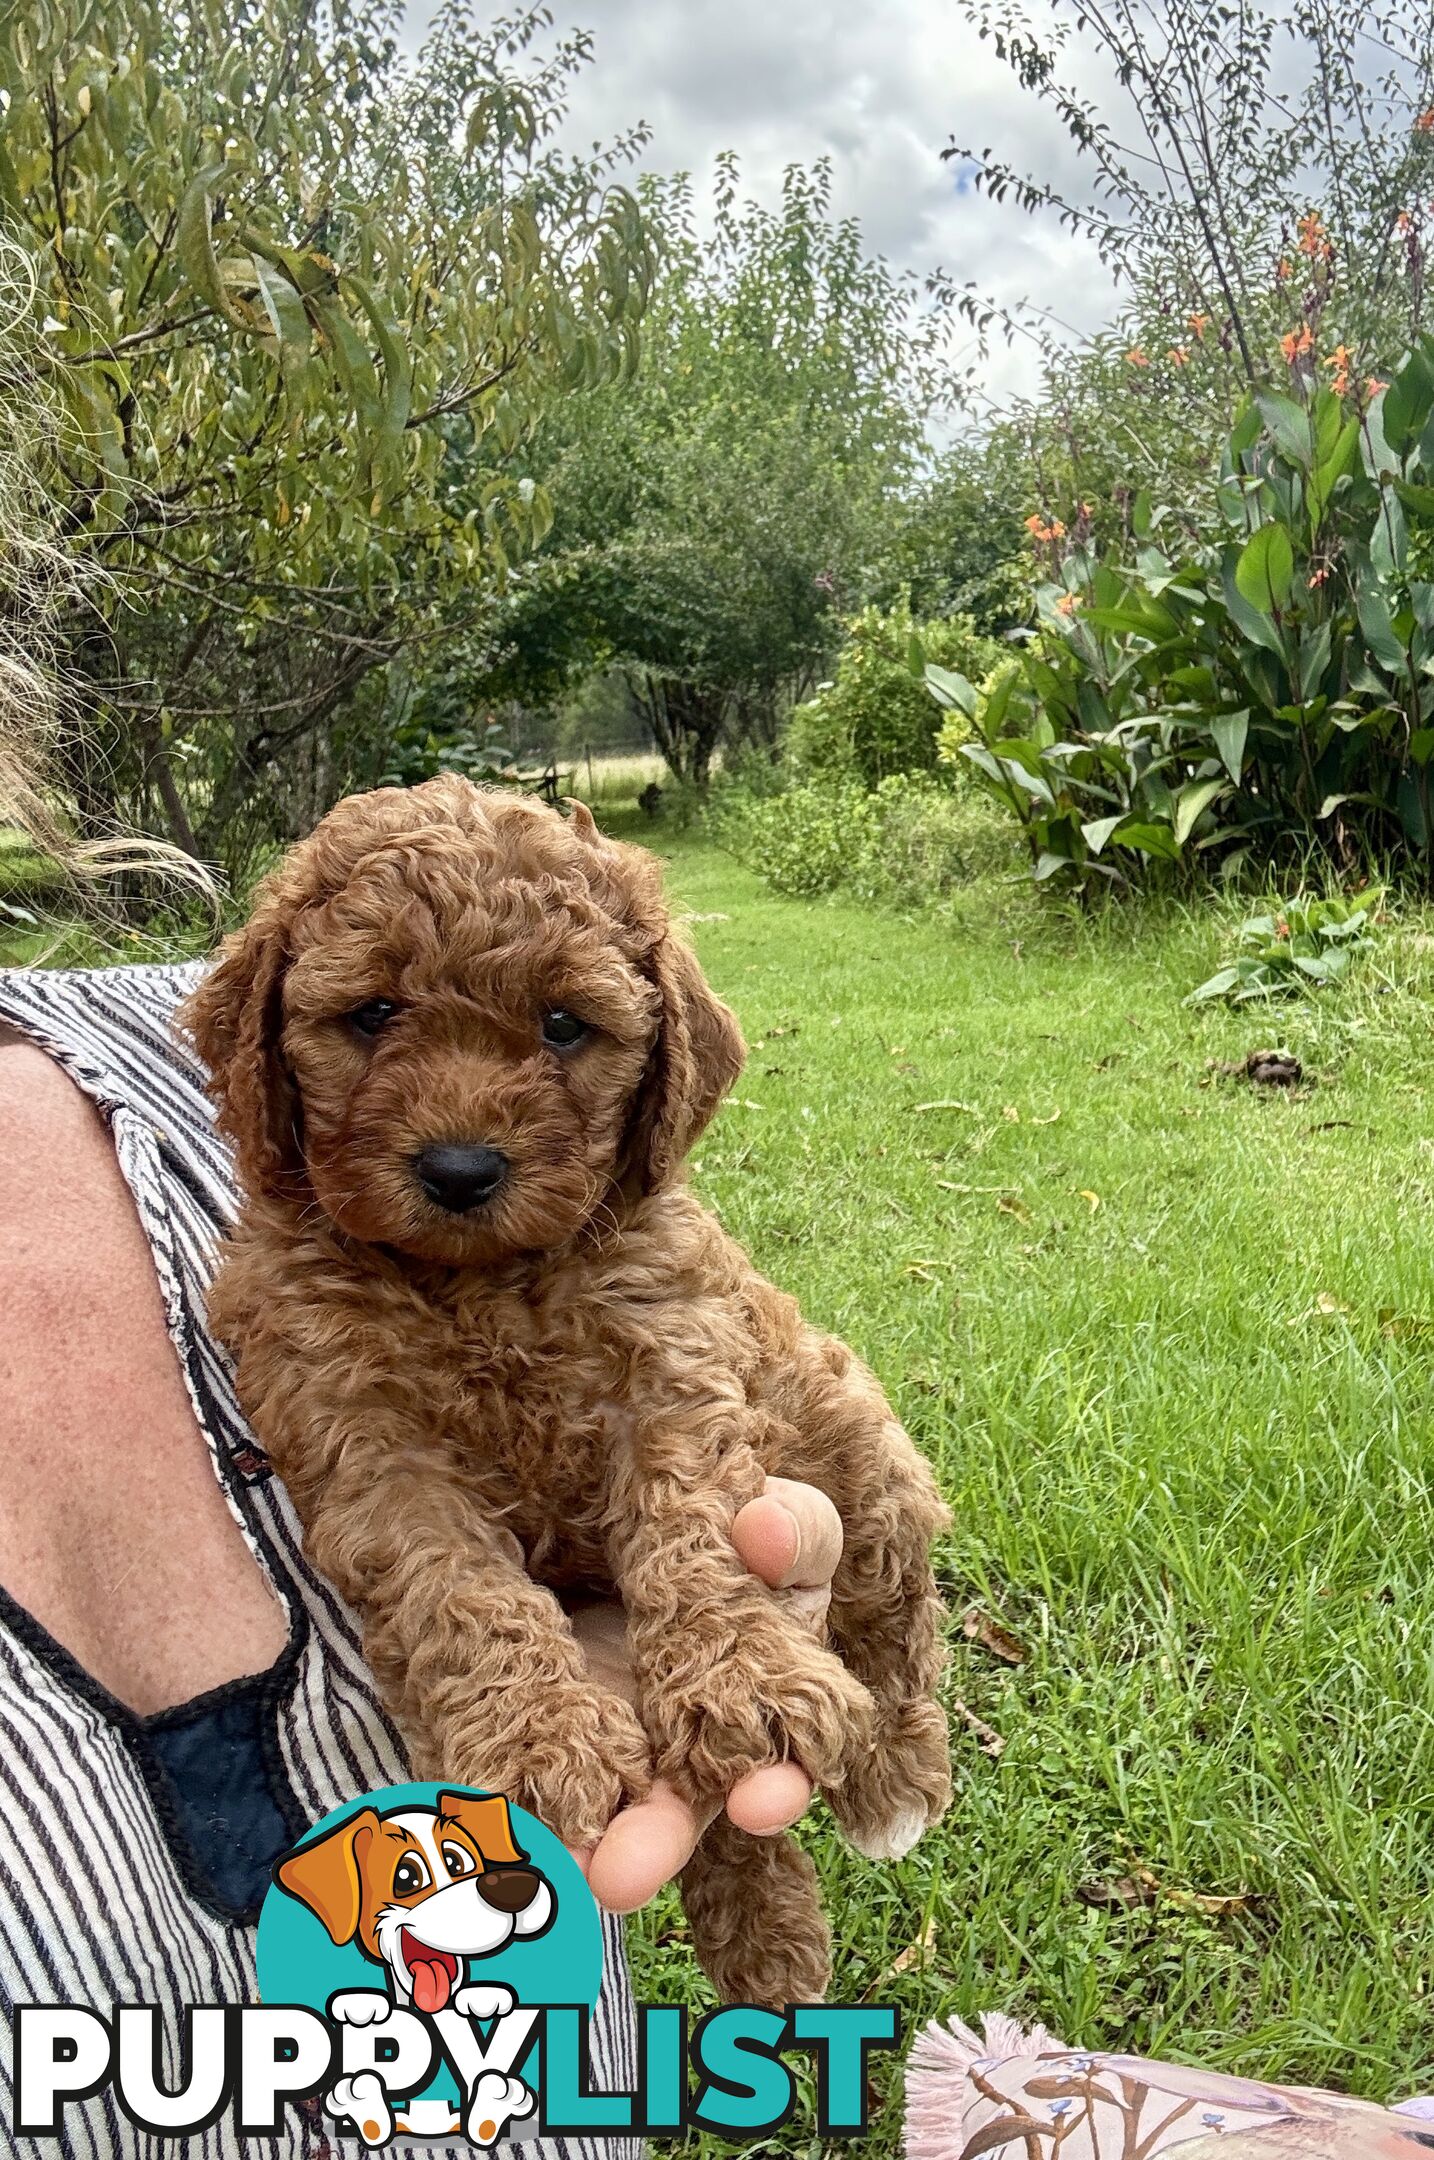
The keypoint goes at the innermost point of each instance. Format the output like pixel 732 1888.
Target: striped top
pixel 105 1897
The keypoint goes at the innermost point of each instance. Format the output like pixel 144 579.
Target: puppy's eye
pixel 368 1019
pixel 458 1860
pixel 562 1029
pixel 409 1875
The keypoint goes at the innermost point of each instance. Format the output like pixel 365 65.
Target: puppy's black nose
pixel 459 1178
pixel 509 1889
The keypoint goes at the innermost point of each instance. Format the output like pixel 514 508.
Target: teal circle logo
pixel 424 1913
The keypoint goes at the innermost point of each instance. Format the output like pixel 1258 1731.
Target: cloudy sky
pixel 879 85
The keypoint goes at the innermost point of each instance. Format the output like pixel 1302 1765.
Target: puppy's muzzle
pixel 509 1889
pixel 458 1179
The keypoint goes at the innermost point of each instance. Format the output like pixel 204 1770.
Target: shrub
pixel 1257 697
pixel 907 843
pixel 875 717
pixel 1304 944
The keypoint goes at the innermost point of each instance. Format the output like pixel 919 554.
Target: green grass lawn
pixel 1166 1339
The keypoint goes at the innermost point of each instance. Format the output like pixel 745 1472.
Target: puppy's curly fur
pixel 584 1363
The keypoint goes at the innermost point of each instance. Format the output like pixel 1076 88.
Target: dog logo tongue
pixel 434 1974
pixel 430 1985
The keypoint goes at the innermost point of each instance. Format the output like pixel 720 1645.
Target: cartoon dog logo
pixel 419 1891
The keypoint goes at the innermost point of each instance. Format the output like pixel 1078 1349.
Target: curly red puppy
pixel 462 1055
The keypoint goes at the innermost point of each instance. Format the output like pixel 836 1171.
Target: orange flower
pixel 1137 358
pixel 1340 360
pixel 1067 603
pixel 1311 230
pixel 1282 928
pixel 1317 577
pixel 1373 386
pixel 1179 355
pixel 1037 527
pixel 1035 523
pixel 1199 323
pixel 1284 270
pixel 1404 223
pixel 1424 125
pixel 1296 343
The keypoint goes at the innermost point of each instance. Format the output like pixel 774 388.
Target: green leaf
pixel 1098 830
pixel 1416 496
pixel 1389 540
pixel 1408 401
pixel 1266 568
pixel 1314 659
pixel 1378 626
pixel 1258 628
pixel 1332 469
pixel 1246 432
pixel 1218 985
pixel 1230 731
pixel 194 245
pixel 1196 797
pixel 1290 426
pixel 1148 839
pixel 951 690
pixel 395 362
pixel 284 308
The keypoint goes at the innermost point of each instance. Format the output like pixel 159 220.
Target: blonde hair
pixel 39 581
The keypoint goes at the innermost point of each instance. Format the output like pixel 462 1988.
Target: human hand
pixel 790 1538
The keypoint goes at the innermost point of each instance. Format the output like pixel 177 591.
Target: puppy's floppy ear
pixel 697 1056
pixel 487 1822
pixel 325 1875
pixel 235 1019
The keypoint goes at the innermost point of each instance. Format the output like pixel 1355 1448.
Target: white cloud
pixel 881 89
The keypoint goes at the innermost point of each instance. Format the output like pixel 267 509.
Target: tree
pixel 718 518
pixel 1260 186
pixel 306 304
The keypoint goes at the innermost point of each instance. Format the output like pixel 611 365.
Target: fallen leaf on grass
pixel 946 1186
pixel 741 1102
pixel 1119 1893
pixel 979 1627
pixel 992 1742
pixel 1091 1199
pixel 1051 1120
pixel 915 1953
pixel 1124 1893
pixel 1325 1307
pixel 924 1270
pixel 1018 1208
pixel 1404 1327
pixel 967 1109
pixel 1011 1114
pixel 715 917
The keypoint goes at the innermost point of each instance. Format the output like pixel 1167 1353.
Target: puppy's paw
pixel 360 2006
pixel 572 1757
pixel 772 1693
pixel 894 1793
pixel 496 2101
pixel 362 2101
pixel 484 2000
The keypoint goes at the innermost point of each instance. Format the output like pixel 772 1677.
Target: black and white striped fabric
pixel 102 1899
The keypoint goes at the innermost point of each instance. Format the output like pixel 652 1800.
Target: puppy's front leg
pixel 476 1662
pixel 728 1681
